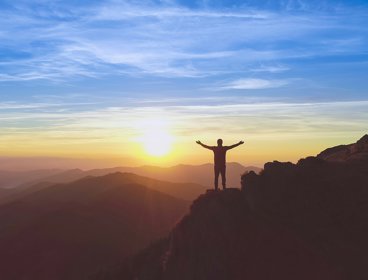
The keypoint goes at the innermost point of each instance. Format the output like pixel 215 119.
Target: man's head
pixel 219 142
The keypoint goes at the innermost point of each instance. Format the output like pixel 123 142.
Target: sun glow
pixel 157 143
pixel 156 138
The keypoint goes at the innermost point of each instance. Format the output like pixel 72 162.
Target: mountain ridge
pixel 182 173
pixel 186 191
pixel 354 152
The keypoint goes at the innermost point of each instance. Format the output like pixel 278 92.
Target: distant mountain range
pixel 67 231
pixel 198 174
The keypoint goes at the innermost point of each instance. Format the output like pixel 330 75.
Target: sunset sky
pixel 119 81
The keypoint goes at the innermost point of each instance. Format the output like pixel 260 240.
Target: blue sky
pixel 65 64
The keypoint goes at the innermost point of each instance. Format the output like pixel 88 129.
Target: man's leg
pixel 217 173
pixel 223 176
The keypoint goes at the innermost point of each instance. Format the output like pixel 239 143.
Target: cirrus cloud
pixel 251 83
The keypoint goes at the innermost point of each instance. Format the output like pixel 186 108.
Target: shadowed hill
pixel 67 231
pixel 9 195
pixel 292 221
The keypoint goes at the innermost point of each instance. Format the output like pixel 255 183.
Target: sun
pixel 157 142
pixel 155 136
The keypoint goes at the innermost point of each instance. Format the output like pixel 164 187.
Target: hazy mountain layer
pixel 186 191
pixel 197 174
pixel 11 179
pixel 67 231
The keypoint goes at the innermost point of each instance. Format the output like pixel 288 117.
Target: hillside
pixel 12 194
pixel 67 231
pixel 292 221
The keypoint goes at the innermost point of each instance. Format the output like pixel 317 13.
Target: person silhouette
pixel 219 152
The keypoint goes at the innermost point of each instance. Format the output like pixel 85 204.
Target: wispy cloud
pixel 259 118
pixel 270 69
pixel 111 11
pixel 251 83
pixel 60 40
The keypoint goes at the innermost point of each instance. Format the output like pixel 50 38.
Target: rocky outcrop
pixel 222 239
pixel 325 203
pixel 347 153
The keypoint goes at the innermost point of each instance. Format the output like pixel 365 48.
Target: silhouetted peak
pixel 364 139
pixel 347 153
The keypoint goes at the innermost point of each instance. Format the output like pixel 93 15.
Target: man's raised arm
pixel 235 145
pixel 203 145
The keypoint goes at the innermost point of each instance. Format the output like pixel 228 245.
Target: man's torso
pixel 220 155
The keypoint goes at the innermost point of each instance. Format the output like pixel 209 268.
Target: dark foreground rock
pixel 222 239
pixel 325 203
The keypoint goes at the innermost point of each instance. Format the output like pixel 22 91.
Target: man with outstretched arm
pixel 219 152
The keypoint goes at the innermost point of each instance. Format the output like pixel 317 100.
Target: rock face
pixel 347 153
pixel 222 239
pixel 325 203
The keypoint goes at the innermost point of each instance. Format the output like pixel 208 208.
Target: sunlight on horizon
pixel 157 143
pixel 155 138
